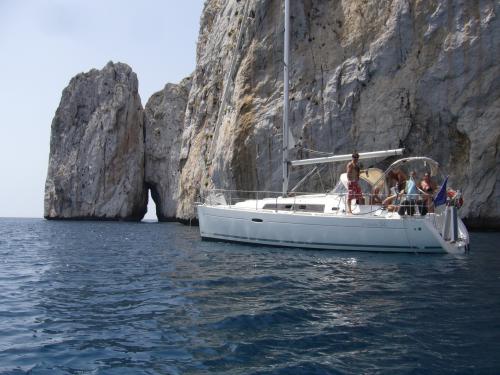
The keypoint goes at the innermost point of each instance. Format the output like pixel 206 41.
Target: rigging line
pixel 321 170
pixel 332 177
pixel 321 181
pixel 309 174
pixel 229 76
pixel 314 151
pixel 304 178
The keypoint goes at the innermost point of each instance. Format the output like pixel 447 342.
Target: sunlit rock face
pixel 96 162
pixel 364 75
pixel 164 121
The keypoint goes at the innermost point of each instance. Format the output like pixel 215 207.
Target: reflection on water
pixel 85 297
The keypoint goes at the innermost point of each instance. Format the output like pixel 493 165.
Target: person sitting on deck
pixel 391 203
pixel 411 192
pixel 354 190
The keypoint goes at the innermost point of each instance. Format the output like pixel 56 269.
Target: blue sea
pixel 152 298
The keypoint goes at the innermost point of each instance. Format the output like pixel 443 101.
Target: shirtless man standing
pixel 354 190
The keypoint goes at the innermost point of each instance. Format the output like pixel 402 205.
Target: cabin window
pixel 297 207
pixel 311 208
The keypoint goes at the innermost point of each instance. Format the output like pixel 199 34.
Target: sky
pixel 44 43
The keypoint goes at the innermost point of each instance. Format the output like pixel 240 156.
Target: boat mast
pixel 285 98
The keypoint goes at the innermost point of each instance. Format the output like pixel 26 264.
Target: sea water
pixel 152 298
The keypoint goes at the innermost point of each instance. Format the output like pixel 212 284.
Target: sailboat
pixel 423 224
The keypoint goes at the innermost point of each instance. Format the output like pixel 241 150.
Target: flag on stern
pixel 441 195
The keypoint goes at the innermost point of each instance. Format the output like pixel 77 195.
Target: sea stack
pixel 96 162
pixel 163 125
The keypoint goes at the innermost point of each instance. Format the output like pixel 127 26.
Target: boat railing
pixel 274 200
pixel 216 197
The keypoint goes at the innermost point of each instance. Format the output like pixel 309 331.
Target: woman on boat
pixel 427 187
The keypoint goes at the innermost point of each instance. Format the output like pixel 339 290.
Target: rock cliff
pixel 164 121
pixel 365 75
pixel 96 162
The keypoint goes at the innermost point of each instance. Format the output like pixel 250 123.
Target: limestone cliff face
pixel 365 75
pixel 164 121
pixel 96 163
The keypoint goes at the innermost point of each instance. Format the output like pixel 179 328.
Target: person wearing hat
pixel 354 190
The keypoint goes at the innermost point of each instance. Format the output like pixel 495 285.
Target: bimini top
pixel 347 157
pixel 434 165
pixel 374 177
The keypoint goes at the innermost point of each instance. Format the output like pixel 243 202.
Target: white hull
pixel 388 233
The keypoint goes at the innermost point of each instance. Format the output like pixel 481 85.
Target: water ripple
pixel 124 298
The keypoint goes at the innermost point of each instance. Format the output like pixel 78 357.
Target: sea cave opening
pixel 152 213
